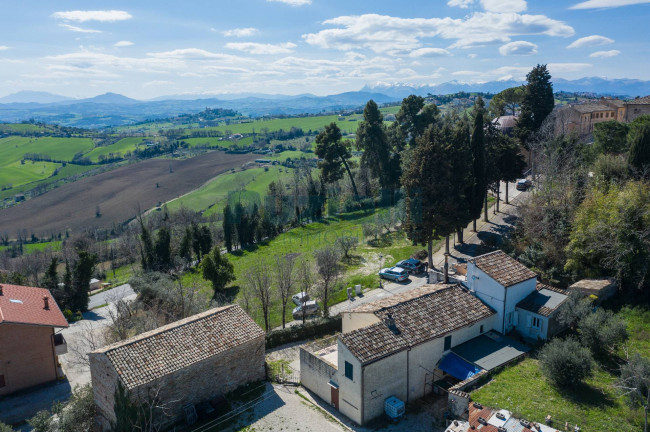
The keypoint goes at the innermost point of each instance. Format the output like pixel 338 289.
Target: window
pixel 537 323
pixel 447 343
pixel 481 328
pixel 349 370
pixel 2 381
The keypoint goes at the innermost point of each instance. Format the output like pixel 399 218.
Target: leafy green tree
pixel 573 310
pixel 42 422
pixel 611 235
pixel 79 412
pixel 414 117
pixel 185 248
pixel 146 247
pixel 602 331
pixel 478 191
pixel 335 154
pixel 228 228
pixel 610 169
pixel 639 157
pixel 126 412
pixel 610 137
pixel 201 240
pixel 565 362
pixel 537 104
pixel 163 250
pixel 372 139
pixel 82 272
pixel 218 269
pixel 506 102
pixel 5 428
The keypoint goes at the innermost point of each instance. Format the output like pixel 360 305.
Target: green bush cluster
pixel 311 330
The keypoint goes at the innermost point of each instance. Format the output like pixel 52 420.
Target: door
pixel 335 397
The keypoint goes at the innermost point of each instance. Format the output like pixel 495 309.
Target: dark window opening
pixel 349 370
pixel 481 328
pixel 447 343
pixel 2 381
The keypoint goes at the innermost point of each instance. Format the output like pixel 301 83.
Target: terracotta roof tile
pixel 26 305
pixel 640 101
pixel 503 268
pixel 417 320
pixel 151 355
pixel 398 298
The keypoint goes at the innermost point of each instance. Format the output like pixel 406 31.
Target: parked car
pixel 412 265
pixel 523 184
pixel 396 274
pixel 300 298
pixel 311 308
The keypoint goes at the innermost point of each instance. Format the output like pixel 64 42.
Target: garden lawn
pixel 594 406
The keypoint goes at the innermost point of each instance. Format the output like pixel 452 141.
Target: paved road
pixel 110 295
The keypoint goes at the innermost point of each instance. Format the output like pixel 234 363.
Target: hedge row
pixel 311 330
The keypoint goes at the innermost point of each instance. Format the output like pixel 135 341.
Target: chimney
pixel 47 303
pixel 390 323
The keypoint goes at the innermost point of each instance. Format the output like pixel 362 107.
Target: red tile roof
pixel 503 268
pixel 26 305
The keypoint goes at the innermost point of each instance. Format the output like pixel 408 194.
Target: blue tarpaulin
pixel 457 367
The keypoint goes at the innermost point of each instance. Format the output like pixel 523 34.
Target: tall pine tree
pixel 537 104
pixel 478 189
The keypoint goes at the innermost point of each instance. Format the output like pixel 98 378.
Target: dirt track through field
pixel 118 194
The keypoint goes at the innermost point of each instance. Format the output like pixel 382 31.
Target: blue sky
pixel 146 49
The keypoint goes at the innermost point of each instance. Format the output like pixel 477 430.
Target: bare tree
pixel 259 281
pixel 284 277
pixel 635 383
pixel 346 245
pixel 89 338
pixel 329 270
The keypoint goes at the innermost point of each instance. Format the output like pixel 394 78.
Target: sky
pixel 146 49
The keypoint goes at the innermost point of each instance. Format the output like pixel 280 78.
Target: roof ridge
pixel 163 329
pixel 407 301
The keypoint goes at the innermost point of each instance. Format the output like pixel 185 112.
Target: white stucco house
pixel 509 287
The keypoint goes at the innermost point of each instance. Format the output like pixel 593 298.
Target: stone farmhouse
pixel 185 363
pixel 406 345
pixel 29 344
pixel 581 118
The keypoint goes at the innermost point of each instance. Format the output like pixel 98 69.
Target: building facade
pixel 29 344
pixel 184 363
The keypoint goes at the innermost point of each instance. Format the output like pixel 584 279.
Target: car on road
pixel 412 265
pixel 523 184
pixel 311 308
pixel 300 298
pixel 396 274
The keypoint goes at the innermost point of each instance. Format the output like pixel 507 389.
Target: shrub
pixel 313 329
pixel 68 314
pixel 601 331
pixel 565 362
pixel 5 428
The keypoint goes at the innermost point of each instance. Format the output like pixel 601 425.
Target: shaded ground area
pixel 118 194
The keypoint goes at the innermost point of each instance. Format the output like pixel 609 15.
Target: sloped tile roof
pixel 26 305
pixel 420 319
pixel 503 268
pixel 152 355
pixel 398 298
pixel 544 301
pixel 593 107
pixel 640 101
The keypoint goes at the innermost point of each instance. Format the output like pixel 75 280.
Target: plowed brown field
pixel 118 193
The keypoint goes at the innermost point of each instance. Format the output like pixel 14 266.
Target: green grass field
pixel 32 247
pixel 13 148
pixel 594 406
pixel 18 174
pixel 64 172
pixel 122 146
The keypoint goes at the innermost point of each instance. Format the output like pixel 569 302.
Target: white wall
pixel 525 325
pixel 315 375
pixel 382 379
pixel 349 390
pixel 356 320
pixel 494 294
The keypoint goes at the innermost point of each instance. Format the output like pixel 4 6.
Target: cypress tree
pixel 476 193
pixel 639 156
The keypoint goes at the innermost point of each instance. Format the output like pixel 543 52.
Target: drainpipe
pixel 56 374
pixel 505 303
pixel 408 373
pixel 362 404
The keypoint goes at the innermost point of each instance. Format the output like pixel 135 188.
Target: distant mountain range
pixel 113 109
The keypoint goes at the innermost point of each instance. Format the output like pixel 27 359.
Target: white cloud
pixel 466 73
pixel 292 2
pixel 463 4
pixel 567 67
pixel 590 41
pixel 3 47
pixel 382 33
pixel 157 83
pixel 472 55
pixel 260 48
pixel 97 15
pixel 240 32
pixel 521 48
pixel 429 52
pixel 605 54
pixel 78 29
pixel 123 43
pixel 599 4
pixel 504 6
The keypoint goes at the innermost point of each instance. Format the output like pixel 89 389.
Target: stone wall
pixel 26 356
pixel 199 382
pixel 636 110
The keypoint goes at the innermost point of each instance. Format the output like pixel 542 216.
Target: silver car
pixel 311 308
pixel 396 274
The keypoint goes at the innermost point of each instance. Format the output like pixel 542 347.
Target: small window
pixel 2 381
pixel 447 343
pixel 537 323
pixel 481 328
pixel 349 370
